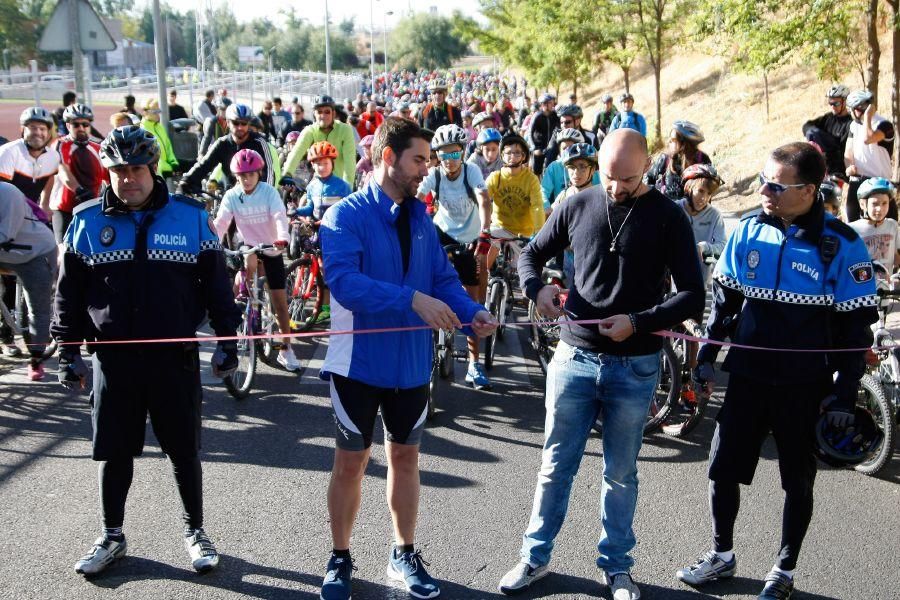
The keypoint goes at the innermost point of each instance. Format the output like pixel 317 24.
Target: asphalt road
pixel 266 467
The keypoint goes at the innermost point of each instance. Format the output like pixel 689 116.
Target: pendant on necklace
pixel 612 248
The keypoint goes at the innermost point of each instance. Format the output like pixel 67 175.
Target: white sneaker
pixel 288 360
pixel 202 551
pixel 12 350
pixel 520 577
pixel 622 586
pixel 104 553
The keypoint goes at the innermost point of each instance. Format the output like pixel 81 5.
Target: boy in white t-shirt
pixel 880 233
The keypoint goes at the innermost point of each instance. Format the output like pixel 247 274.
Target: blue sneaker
pixel 475 375
pixel 336 585
pixel 409 568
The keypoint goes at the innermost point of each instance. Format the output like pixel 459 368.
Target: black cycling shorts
pixel 463 262
pixel 275 274
pixel 751 410
pixel 60 221
pixel 129 383
pixel 356 405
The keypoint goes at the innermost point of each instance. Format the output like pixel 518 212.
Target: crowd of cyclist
pixel 499 167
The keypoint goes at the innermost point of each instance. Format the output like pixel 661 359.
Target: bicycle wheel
pixel 871 397
pixel 239 383
pixel 544 336
pixel 268 347
pixel 503 304
pixel 445 354
pixel 667 389
pixel 304 308
pixel 687 408
pixel 490 342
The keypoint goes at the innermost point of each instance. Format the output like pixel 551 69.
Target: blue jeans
pixel 581 384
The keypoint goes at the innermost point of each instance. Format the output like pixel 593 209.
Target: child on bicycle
pixel 258 213
pixel 701 182
pixel 323 191
pixel 580 161
pixel 880 233
pixel 487 152
pixel 831 196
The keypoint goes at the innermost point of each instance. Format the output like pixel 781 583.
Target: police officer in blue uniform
pixel 791 277
pixel 142 264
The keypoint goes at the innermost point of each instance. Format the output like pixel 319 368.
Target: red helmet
pixel 321 150
pixel 701 171
pixel 247 161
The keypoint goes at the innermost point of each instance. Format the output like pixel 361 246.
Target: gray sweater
pixel 19 226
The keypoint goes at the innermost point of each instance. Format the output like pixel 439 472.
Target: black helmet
pixel 848 446
pixel 129 145
pixel 570 110
pixel 514 139
pixel 829 191
pixel 36 113
pixel 78 111
pixel 323 100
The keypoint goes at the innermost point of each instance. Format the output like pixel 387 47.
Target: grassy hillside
pixel 730 109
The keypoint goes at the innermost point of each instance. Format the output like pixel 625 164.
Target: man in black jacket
pixel 298 124
pixel 540 132
pixel 224 148
pixel 830 131
pixel 627 237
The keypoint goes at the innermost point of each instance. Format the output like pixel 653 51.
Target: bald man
pixel 625 236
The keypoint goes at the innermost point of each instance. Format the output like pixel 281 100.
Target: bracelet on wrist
pixel 633 322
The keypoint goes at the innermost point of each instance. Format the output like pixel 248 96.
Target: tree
pixel 655 20
pixel 425 41
pixel 874 48
pixel 17 32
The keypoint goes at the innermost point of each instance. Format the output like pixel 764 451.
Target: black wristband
pixel 633 323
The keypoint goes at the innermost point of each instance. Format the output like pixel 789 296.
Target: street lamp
pixel 384 27
pixel 372 42
pixel 327 54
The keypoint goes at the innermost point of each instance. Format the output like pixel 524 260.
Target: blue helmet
pixel 875 185
pixel 581 151
pixel 238 112
pixel 488 135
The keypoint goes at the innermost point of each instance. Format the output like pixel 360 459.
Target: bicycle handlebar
pixel 895 294
pixel 246 251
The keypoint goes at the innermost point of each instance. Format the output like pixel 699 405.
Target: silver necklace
pixel 615 235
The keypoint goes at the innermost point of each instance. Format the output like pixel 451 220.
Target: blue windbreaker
pixel 364 269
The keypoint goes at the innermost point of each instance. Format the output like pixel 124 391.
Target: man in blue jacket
pixel 386 269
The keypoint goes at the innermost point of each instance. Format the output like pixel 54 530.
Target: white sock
pixel 783 572
pixel 726 556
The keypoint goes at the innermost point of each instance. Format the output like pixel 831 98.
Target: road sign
pixel 250 55
pixel 94 35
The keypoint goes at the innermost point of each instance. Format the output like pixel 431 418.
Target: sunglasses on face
pixel 778 188
pixel 239 123
pixel 450 155
pixel 835 102
pixel 79 125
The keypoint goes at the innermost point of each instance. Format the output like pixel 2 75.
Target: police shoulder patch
pixel 107 235
pixel 842 229
pixel 861 272
pixel 189 201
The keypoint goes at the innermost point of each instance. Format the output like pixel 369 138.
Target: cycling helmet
pixel 129 145
pixel 701 171
pixel 323 100
pixel 78 111
pixel 858 98
pixel 829 191
pixel 580 151
pixel 367 141
pixel 247 161
pixel 875 185
pixel 688 131
pixel 238 112
pixel 437 85
pixel 36 113
pixel 847 446
pixel 481 118
pixel 488 135
pixel 257 123
pixel 292 137
pixel 570 135
pixel 545 98
pixel 515 139
pixel 606 98
pixel 321 150
pixel 838 91
pixel 448 135
pixel 626 96
pixel 570 110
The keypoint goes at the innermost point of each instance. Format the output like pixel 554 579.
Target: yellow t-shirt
pixel 518 205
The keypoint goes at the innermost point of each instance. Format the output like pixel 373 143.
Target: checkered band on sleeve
pixel 854 303
pixel 794 298
pixel 757 293
pixel 728 281
pixel 111 256
pixel 210 245
pixel 171 256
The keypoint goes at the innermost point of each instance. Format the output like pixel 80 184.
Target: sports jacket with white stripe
pixel 220 153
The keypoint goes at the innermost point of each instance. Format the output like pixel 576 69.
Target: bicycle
pixel 500 296
pixel 544 332
pixel 879 389
pixel 257 318
pixel 687 400
pixel 305 280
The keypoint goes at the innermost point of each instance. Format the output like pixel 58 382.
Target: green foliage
pixel 425 41
pixel 17 32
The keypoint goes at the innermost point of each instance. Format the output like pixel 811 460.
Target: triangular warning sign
pixel 94 35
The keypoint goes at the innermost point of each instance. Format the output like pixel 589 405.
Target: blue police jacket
pixel 807 286
pixel 148 274
pixel 369 289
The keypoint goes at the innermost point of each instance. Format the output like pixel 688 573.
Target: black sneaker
pixel 778 587
pixel 338 574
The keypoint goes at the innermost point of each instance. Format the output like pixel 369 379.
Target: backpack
pixel 469 191
pixel 427 111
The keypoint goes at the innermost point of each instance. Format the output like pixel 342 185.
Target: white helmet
pixel 838 91
pixel 858 98
pixel 449 135
pixel 570 135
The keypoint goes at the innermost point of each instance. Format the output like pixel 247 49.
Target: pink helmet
pixel 291 137
pixel 367 141
pixel 247 161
